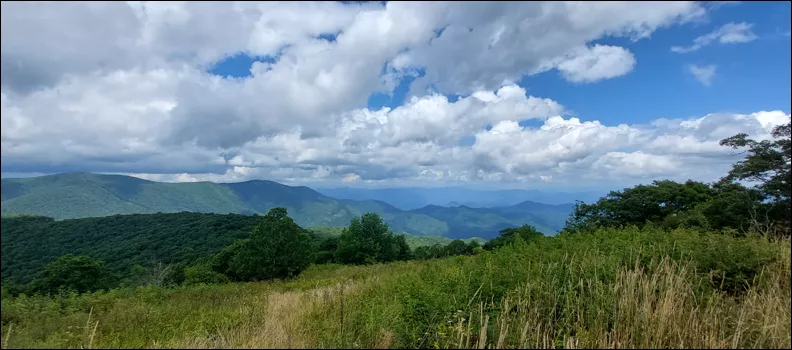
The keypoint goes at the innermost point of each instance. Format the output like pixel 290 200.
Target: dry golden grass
pixel 275 322
pixel 650 311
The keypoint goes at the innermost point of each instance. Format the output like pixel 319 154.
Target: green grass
pixel 614 288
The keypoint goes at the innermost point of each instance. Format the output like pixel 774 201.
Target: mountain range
pixel 409 198
pixel 78 195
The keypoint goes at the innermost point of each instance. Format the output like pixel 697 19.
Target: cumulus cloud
pixel 703 74
pixel 125 88
pixel 730 33
pixel 484 45
pixel 636 163
pixel 559 143
pixel 596 63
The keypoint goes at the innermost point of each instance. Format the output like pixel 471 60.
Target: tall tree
pixel 368 240
pixel 768 163
pixel 277 248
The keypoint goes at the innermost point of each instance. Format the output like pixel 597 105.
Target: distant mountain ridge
pixel 410 198
pixel 78 195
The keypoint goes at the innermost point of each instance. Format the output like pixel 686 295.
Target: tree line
pixel 276 248
pixel 728 205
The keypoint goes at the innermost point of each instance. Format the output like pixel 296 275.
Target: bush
pixel 367 240
pixel 203 273
pixel 277 248
pixel 526 233
pixel 79 273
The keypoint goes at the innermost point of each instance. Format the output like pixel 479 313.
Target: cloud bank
pixel 125 88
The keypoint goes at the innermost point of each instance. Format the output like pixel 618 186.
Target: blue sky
pixel 512 95
pixel 750 76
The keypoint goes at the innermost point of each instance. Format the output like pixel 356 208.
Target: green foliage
pixel 639 204
pixel 412 241
pixel 570 283
pixel 152 249
pixel 724 205
pixel 651 288
pixel 203 273
pixel 277 248
pixel 767 162
pixel 455 247
pixel 420 241
pixel 368 240
pixel 526 233
pixel 175 240
pixel 732 206
pixel 733 265
pixel 79 273
pixel 80 195
pixel 458 247
pixel 155 274
pixel 326 251
pixel 719 206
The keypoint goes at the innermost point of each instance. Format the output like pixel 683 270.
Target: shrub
pixel 203 273
pixel 277 248
pixel 80 273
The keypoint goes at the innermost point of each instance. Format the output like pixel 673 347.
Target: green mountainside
pixel 31 242
pixel 80 195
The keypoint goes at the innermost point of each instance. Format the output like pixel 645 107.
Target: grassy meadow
pixel 611 289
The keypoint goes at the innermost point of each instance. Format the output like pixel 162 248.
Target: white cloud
pixel 703 74
pixel 510 148
pixel 124 88
pixel 351 177
pixel 730 33
pixel 718 4
pixel 636 163
pixel 510 39
pixel 595 63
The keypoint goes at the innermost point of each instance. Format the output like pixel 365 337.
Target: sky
pixel 531 95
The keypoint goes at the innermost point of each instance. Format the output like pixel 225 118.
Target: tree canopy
pixel 507 236
pixel 277 248
pixel 368 240
pixel 768 163
pixel 725 204
pixel 79 273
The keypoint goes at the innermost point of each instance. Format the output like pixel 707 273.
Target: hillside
pixel 79 195
pixel 464 221
pixel 30 242
pixel 410 198
pixel 610 289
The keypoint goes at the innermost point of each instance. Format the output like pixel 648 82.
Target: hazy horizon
pixel 355 186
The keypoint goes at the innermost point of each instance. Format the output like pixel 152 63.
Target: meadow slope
pixel 614 288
